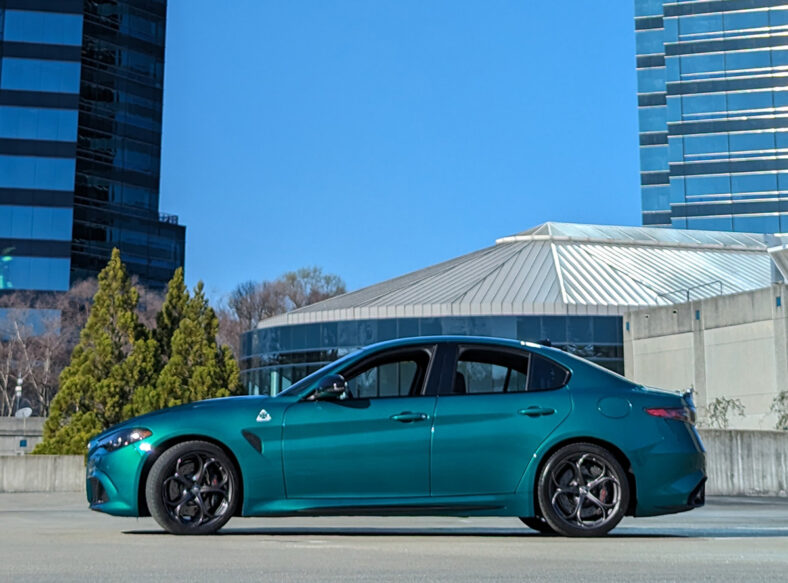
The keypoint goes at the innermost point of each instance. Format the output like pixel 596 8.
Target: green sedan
pixel 449 425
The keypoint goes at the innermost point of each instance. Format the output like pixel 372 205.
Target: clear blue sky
pixel 373 138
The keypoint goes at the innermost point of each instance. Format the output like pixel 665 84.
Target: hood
pixel 219 404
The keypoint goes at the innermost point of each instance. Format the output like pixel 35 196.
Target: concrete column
pixel 780 338
pixel 699 355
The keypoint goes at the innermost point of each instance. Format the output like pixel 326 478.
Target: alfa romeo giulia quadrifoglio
pixel 449 425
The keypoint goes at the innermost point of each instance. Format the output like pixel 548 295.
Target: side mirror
pixel 332 386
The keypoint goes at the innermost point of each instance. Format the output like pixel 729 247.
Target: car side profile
pixel 448 425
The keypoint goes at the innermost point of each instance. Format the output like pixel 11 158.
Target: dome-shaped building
pixel 567 283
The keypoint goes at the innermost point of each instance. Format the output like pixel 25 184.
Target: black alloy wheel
pixel 537 523
pixel 583 491
pixel 192 488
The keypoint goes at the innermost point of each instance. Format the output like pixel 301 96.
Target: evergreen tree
pixel 171 314
pixel 114 357
pixel 197 368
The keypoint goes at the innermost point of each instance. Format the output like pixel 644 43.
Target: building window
pixel 25 222
pixel 43 27
pixel 36 123
pixel 39 75
pixel 37 172
pixel 34 273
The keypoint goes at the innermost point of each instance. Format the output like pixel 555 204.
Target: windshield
pixel 309 379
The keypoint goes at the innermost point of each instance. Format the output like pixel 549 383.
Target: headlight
pixel 123 438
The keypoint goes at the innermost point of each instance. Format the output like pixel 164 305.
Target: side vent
pixel 253 440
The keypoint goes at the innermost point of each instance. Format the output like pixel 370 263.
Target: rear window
pixel 545 374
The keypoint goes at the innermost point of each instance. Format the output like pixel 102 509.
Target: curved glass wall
pixel 274 358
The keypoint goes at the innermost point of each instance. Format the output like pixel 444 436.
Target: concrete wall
pixel 17 431
pixel 748 463
pixel 732 346
pixel 42 473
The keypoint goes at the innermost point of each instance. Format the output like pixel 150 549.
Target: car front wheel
pixel 583 490
pixel 192 488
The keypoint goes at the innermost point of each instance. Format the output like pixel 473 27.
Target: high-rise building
pixel 80 137
pixel 713 113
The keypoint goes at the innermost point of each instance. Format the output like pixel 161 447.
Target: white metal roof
pixel 563 268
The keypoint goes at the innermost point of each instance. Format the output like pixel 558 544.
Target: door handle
pixel 408 417
pixel 536 411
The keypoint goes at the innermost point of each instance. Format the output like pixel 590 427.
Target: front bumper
pixel 113 478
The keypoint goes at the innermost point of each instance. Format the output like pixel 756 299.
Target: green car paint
pixel 433 453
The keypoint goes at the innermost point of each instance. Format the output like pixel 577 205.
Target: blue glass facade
pixel 80 136
pixel 713 114
pixel 274 358
pixel 39 111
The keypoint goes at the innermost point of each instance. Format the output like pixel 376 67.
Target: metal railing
pixel 686 293
pixel 168 218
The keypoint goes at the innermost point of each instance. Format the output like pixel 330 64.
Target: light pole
pixel 17 394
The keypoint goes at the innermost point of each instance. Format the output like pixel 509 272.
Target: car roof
pixel 454 339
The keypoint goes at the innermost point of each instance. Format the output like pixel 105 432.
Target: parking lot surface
pixel 54 537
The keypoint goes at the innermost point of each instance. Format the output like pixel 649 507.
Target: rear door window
pixel 481 370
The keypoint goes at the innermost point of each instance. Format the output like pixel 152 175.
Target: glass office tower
pixel 80 136
pixel 713 114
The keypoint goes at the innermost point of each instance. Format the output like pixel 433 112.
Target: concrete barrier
pixel 20 435
pixel 738 463
pixel 42 473
pixel 746 463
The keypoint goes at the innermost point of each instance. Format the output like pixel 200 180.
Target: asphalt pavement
pixel 54 537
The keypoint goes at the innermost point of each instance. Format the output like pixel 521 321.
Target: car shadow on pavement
pixel 397 532
pixel 620 533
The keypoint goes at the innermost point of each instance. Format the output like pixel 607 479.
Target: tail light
pixel 685 414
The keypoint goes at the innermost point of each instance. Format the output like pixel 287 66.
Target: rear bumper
pixel 671 477
pixel 696 499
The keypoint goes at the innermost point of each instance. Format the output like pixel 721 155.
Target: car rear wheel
pixel 192 488
pixel 583 490
pixel 537 523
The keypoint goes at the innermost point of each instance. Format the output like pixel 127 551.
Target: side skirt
pixel 509 505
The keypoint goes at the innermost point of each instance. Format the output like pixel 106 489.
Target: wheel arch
pixel 612 448
pixel 142 504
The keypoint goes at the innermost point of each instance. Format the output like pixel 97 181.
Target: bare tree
pixel 310 285
pixel 42 352
pixel 38 332
pixel 230 329
pixel 250 302
pixel 33 348
pixel 8 369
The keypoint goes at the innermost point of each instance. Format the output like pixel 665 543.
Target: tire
pixel 583 491
pixel 538 524
pixel 192 488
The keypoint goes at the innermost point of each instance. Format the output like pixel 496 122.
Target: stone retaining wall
pixel 42 473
